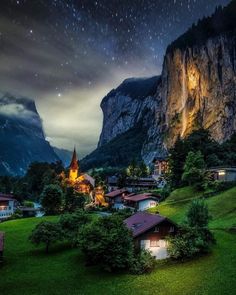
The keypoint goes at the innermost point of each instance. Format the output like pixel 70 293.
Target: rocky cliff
pixel 22 139
pixel 197 88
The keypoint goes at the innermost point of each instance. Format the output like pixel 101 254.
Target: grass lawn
pixel 29 271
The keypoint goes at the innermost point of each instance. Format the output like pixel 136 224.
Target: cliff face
pixel 125 106
pixel 22 139
pixel 199 89
pixel 196 89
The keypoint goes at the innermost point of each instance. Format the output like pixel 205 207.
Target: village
pixel 138 197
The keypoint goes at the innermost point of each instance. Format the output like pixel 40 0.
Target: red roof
pixel 140 197
pixel 1 241
pixel 141 222
pixel 116 193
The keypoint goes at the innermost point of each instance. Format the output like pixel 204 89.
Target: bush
pixel 107 242
pixel 46 233
pixel 143 263
pixel 190 242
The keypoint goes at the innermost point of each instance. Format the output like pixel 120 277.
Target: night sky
pixel 67 55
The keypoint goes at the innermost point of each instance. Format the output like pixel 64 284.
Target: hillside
pixel 213 274
pixel 222 206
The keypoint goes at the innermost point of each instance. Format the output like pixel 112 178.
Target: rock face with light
pixel 22 139
pixel 196 89
pixel 199 86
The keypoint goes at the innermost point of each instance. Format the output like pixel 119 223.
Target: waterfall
pixel 184 96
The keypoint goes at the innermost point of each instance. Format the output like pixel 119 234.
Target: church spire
pixel 74 162
pixel 74 167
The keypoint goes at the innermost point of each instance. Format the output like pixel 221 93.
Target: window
pixel 172 229
pixel 154 243
pixel 156 230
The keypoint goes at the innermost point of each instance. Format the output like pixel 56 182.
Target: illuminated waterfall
pixel 184 97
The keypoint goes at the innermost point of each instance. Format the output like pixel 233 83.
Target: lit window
pixel 154 243
pixel 222 172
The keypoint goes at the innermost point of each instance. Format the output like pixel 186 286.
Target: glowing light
pixel 221 172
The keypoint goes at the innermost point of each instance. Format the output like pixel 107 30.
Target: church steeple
pixel 74 167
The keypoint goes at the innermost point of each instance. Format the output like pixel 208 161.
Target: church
pixel 82 182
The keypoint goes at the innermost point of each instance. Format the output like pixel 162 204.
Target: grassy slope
pixel 30 271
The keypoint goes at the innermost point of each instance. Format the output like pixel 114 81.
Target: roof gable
pixel 141 222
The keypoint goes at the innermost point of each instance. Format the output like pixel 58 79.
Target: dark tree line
pixel 214 154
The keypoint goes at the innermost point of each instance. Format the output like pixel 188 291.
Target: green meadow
pixel 29 271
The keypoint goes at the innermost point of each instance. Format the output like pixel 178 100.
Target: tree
pixel 71 225
pixel 194 168
pixel 144 170
pixel 46 233
pixel 52 199
pixel 73 200
pixel 176 163
pixel 198 214
pixel 107 242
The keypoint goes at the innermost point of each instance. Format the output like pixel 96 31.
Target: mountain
pixel 196 89
pixel 22 139
pixel 64 155
pixel 129 111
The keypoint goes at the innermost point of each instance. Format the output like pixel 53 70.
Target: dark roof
pixel 141 222
pixel 4 197
pixel 116 193
pixel 140 197
pixel 1 241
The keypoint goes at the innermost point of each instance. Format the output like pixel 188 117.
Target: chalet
pixel 7 206
pixel 223 173
pixel 142 202
pixel 150 232
pixel 115 198
pixel 161 166
pixel 1 245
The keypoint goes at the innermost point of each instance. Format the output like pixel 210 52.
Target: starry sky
pixel 68 54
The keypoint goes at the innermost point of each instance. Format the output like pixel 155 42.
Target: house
pixel 1 245
pixel 7 206
pixel 142 202
pixel 115 198
pixel 223 173
pixel 150 232
pixel 133 184
pixel 161 166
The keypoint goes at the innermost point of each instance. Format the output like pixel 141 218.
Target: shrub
pixel 143 263
pixel 190 242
